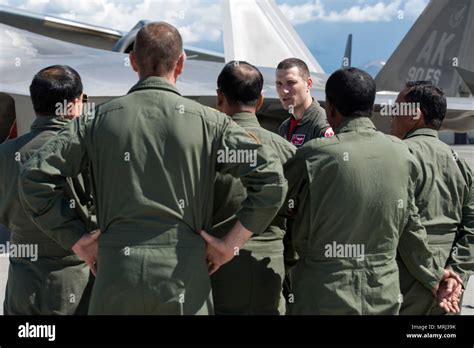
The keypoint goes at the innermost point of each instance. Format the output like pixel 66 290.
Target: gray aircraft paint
pixel 440 40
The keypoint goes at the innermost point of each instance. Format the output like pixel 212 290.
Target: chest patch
pixel 298 139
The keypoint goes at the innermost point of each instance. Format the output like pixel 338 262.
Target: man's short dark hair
pixel 241 83
pixel 289 63
pixel 52 85
pixel 431 100
pixel 352 92
pixel 157 47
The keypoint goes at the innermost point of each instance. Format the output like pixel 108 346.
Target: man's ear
pixel 309 83
pixel 180 64
pixel 133 61
pixel 259 102
pixel 328 107
pixel 418 115
pixel 220 98
pixel 221 102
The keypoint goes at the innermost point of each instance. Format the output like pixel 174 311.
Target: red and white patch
pixel 298 139
pixel 329 133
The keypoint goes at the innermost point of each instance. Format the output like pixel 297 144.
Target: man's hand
pixel 448 291
pixel 87 248
pixel 220 251
pixel 449 295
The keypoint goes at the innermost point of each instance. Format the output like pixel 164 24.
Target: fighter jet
pixel 256 31
pixel 31 42
pixel 439 47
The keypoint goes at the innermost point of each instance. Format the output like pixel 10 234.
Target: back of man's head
pixel 430 99
pixel 157 48
pixel 352 92
pixel 52 85
pixel 241 83
pixel 289 63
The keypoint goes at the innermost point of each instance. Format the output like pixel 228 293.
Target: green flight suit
pixel 313 124
pixel 252 282
pixel 445 201
pixel 153 156
pixel 354 200
pixel 55 281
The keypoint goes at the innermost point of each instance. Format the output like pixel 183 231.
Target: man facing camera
pixel 307 119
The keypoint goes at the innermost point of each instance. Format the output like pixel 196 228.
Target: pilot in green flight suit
pixel 353 196
pixel 154 156
pixel 252 282
pixel 445 197
pixel 50 279
pixel 306 121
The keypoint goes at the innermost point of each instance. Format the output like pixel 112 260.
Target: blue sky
pixel 377 25
pixel 376 33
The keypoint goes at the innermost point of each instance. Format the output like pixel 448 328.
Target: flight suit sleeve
pixel 285 153
pixel 413 245
pixel 461 259
pixel 261 175
pixel 295 172
pixel 297 175
pixel 43 179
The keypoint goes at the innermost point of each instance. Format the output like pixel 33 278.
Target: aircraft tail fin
pixel 467 77
pixel 258 32
pixel 346 60
pixel 440 41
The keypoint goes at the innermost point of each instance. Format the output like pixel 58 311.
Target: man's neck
pixel 416 127
pixel 299 112
pixel 239 109
pixel 171 78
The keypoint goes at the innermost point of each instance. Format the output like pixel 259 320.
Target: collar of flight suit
pixel 309 113
pixel 355 123
pixel 49 122
pixel 422 131
pixel 154 82
pixel 245 119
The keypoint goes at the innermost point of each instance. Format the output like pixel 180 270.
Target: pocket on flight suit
pixel 23 286
pixel 65 281
pixel 177 281
pixel 268 271
pixel 118 287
